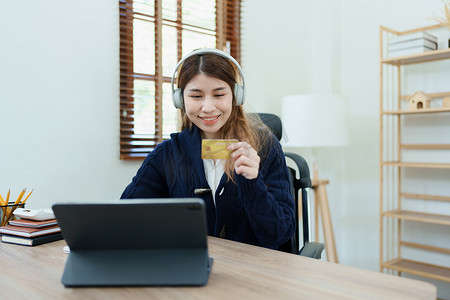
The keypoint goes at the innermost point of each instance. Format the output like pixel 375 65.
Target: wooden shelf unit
pixel 391 166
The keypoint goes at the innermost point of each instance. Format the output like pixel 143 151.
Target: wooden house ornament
pixel 419 100
pixel 446 102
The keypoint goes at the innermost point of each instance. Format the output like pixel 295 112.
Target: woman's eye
pixel 220 95
pixel 196 96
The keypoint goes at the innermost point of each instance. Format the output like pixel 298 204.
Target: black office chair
pixel 298 186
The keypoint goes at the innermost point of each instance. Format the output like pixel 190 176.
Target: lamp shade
pixel 315 120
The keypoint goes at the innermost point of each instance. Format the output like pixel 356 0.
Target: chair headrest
pixel 273 122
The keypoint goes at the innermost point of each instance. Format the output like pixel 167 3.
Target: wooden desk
pixel 239 271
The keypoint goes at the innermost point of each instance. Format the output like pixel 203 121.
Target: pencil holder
pixel 6 212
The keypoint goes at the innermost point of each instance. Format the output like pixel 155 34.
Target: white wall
pixel 351 63
pixel 276 53
pixel 59 102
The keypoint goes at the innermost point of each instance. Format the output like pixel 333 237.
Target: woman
pixel 247 197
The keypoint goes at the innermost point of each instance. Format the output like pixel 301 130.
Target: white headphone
pixel 239 90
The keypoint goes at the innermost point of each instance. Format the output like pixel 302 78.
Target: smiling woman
pixel 215 80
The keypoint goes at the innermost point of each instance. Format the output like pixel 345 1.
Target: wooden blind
pixel 154 36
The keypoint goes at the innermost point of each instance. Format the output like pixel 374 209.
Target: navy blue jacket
pixel 258 211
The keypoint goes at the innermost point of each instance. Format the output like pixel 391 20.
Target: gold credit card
pixel 216 149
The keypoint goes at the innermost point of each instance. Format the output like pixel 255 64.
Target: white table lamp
pixel 315 121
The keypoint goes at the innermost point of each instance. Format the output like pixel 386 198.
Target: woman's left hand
pixel 245 158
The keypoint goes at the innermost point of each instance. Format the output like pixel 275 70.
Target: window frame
pixel 228 22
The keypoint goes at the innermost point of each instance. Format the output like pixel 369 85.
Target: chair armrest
pixel 312 250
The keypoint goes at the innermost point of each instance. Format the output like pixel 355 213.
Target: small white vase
pixel 443 36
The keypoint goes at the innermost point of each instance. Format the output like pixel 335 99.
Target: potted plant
pixel 445 19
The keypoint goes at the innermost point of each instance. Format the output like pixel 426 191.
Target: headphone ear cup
pixel 177 98
pixel 239 94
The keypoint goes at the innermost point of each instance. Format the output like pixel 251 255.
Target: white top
pixel 213 171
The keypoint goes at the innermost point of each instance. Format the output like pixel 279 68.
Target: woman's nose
pixel 208 104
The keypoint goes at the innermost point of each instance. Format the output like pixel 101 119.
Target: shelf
pixel 418 268
pixel 421 111
pixel 425 146
pixel 425 197
pixel 418 58
pixel 418 216
pixel 425 247
pixel 416 165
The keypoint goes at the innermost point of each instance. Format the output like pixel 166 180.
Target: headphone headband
pixel 239 90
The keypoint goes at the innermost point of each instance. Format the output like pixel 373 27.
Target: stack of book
pixel 31 232
pixel 412 43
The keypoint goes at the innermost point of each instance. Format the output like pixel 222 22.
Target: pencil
pixel 9 212
pixel 2 203
pixel 6 208
pixel 25 200
pixel 15 205
pixel 20 196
